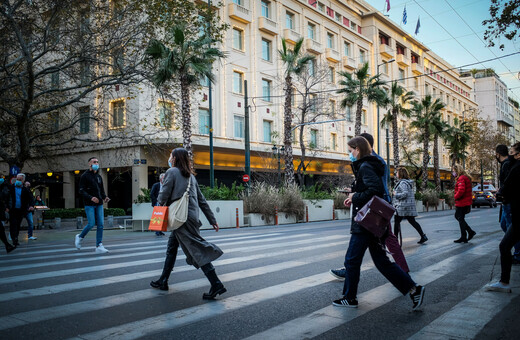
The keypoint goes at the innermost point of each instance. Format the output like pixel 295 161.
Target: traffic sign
pixel 245 178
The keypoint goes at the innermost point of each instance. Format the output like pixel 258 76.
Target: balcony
pixel 267 25
pixel 386 51
pixel 313 46
pixel 291 36
pixel 417 68
pixel 403 60
pixel 332 55
pixel 240 13
pixel 505 118
pixel 349 62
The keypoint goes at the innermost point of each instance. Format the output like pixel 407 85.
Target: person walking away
pixel 463 201
pixel 511 192
pixel 368 171
pixel 506 163
pixel 29 217
pixel 4 205
pixel 154 193
pixel 93 193
pixel 199 252
pixel 21 202
pixel 391 241
pixel 404 203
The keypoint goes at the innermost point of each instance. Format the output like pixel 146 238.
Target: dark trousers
pixel 411 219
pixel 2 234
pixel 15 220
pixel 460 213
pixel 356 250
pixel 511 237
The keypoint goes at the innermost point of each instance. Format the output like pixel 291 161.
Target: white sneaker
pixel 100 249
pixel 498 287
pixel 32 238
pixel 78 241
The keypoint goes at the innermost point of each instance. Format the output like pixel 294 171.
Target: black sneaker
pixel 344 302
pixel 338 273
pixel 417 297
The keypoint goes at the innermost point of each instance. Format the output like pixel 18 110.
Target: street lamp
pixel 276 153
pixel 378 139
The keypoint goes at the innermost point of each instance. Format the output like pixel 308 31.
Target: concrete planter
pixel 256 220
pixel 286 218
pixel 420 206
pixel 319 210
pixel 226 214
pixel 342 214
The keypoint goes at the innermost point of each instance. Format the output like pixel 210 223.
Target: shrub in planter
pixel 339 198
pixel 291 202
pixel 144 196
pixel 449 198
pixel 315 192
pixel 222 192
pixel 430 198
pixel 75 212
pixel 262 199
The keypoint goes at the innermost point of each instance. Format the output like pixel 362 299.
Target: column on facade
pixel 139 179
pixel 69 189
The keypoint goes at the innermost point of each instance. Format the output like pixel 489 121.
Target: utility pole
pixel 211 165
pixel 246 133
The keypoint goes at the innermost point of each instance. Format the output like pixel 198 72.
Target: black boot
pixel 423 239
pixel 471 233
pixel 162 283
pixel 217 288
pixel 9 248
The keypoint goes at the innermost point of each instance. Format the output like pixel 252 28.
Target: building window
pixel 84 119
pixel 266 49
pixel 448 119
pixel 348 114
pixel 312 67
pixel 416 84
pixel 338 17
pixel 385 67
pixel 118 60
pixel 346 48
pixel 332 106
pixel 268 129
pixel 364 117
pixel 84 74
pixel 266 8
pixel 165 114
pixel 314 139
pixel 311 31
pixel 330 40
pixel 353 26
pixel 334 141
pixel 384 39
pixel 266 90
pixel 313 103
pixel 204 121
pixel 332 75
pixel 238 39
pixel 415 58
pixel 400 49
pixel 401 75
pixel 239 2
pixel 289 20
pixel 117 113
pixel 204 81
pixel 238 80
pixel 239 126
pixel 55 80
pixel 362 56
pixel 321 7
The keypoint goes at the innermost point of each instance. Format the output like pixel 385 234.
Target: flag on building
pixel 418 25
pixel 387 5
pixel 405 17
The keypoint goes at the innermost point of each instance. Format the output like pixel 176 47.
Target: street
pixel 278 286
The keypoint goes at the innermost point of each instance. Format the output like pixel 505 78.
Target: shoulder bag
pixel 178 210
pixel 375 216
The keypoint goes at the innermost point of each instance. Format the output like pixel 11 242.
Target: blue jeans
pixel 95 217
pixel 356 250
pixel 506 222
pixel 30 224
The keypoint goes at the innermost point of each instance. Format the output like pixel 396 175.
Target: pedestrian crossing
pixel 277 281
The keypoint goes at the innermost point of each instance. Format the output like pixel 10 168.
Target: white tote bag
pixel 178 210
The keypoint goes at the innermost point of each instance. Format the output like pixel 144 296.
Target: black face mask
pixel 497 158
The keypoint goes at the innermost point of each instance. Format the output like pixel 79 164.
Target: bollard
pixel 333 214
pixel 79 222
pixel 110 221
pixel 238 221
pixel 57 222
pixel 275 215
pixel 306 213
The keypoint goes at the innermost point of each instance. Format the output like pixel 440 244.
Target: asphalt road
pixel 277 281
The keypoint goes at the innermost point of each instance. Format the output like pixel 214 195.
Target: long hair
pixel 460 171
pixel 182 161
pixel 362 144
pixel 403 173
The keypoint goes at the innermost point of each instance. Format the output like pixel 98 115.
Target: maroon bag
pixel 375 216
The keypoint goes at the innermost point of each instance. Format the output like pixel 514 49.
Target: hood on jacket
pixel 378 166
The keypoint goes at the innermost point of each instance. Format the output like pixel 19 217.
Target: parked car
pixel 484 198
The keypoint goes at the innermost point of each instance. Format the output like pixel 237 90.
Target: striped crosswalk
pixel 277 281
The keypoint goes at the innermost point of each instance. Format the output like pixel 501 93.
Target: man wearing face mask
pixel 21 202
pixel 93 193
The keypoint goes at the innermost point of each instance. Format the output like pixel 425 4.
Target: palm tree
pixel 396 101
pixel 424 114
pixel 358 86
pixel 439 129
pixel 457 141
pixel 295 62
pixel 185 61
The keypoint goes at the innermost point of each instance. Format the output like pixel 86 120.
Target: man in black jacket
pixel 93 193
pixel 20 202
pixel 154 194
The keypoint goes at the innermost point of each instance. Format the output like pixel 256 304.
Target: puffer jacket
pixel 404 198
pixel 463 193
pixel 368 171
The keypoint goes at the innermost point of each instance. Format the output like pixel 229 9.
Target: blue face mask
pixel 352 158
pixel 18 183
pixel 1 181
pixel 170 164
pixel 95 167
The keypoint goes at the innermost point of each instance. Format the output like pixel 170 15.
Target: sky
pixel 456 34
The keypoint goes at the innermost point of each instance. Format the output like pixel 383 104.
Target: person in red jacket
pixel 463 201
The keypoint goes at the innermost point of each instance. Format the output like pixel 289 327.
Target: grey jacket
pixel 174 186
pixel 404 198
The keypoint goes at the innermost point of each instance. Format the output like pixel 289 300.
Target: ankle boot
pixel 461 240
pixel 217 288
pixel 471 233
pixel 9 248
pixel 162 283
pixel 423 239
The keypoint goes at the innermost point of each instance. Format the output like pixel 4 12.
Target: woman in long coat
pixel 404 203
pixel 199 252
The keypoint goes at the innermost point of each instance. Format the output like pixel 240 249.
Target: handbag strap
pixel 189 185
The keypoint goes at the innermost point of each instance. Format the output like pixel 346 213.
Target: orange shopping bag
pixel 159 220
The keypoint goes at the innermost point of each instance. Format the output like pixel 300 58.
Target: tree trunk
pixel 301 166
pixel 186 117
pixel 395 132
pixel 359 110
pixel 426 145
pixel 287 137
pixel 436 169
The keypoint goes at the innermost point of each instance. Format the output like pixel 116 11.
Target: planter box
pixel 319 210
pixel 226 214
pixel 342 214
pixel 258 220
pixel 286 218
pixel 420 206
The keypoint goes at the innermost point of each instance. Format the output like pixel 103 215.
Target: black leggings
pixel 460 213
pixel 411 219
